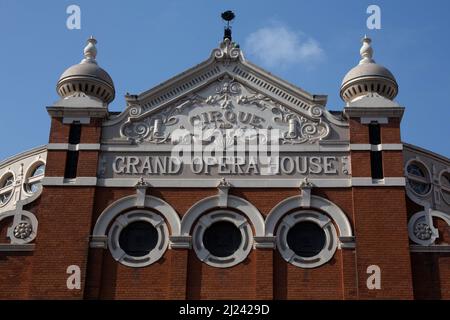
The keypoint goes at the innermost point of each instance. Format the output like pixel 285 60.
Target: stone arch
pixel 119 206
pixel 242 205
pixel 319 203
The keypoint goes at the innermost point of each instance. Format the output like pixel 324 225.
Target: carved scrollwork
pixel 151 128
pixel 301 130
pixel 227 51
pixel 224 91
pixel 258 100
pixel 316 111
pixel 234 100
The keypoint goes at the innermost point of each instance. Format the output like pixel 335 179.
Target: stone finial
pixel 366 51
pixel 306 184
pixel 224 184
pixel 90 51
pixel 141 183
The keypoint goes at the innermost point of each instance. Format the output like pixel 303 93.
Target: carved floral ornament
pixel 231 107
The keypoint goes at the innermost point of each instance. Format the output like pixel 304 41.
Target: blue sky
pixel 143 43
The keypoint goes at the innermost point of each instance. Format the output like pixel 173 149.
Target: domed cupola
pixel 87 77
pixel 368 77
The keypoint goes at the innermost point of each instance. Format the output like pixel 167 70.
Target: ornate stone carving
pixel 224 184
pixel 150 129
pixel 301 130
pixel 306 184
pixel 23 230
pixel 225 108
pixel 226 88
pixel 227 51
pixel 422 231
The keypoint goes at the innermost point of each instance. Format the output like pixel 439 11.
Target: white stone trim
pixel 124 204
pixel 236 182
pixel 371 112
pixel 77 182
pixel 379 147
pixel 317 203
pixel 20 216
pixel 28 179
pixel 379 120
pixel 213 202
pixel 268 182
pixel 74 147
pixel 180 242
pixel 81 120
pixel 38 151
pixel 430 249
pixel 124 220
pixel 327 252
pixel 421 199
pixel 216 216
pixel 16 247
pixel 322 147
pixel 9 188
pixel 386 182
pixel 266 242
pixel 389 147
pixel 426 219
pixel 445 191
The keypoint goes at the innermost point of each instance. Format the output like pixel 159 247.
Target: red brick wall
pixel 390 161
pixel 263 275
pixel 359 133
pixel 378 213
pixel 59 132
pixel 431 274
pixel 390 133
pixel 63 238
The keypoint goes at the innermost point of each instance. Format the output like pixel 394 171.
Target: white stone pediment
pixel 224 92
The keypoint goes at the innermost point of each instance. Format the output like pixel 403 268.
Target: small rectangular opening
pixel 75 133
pixel 71 165
pixel 374 133
pixel 376 163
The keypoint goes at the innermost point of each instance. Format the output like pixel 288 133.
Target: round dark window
pixel 222 239
pixel 306 239
pixel 138 238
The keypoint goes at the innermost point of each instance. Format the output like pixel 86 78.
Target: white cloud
pixel 278 46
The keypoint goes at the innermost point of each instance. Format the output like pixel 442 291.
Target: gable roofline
pixel 223 58
pixel 432 154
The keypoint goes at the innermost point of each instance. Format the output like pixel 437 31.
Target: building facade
pixel 225 182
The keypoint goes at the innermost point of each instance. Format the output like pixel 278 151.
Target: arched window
pixel 138 238
pixel 222 238
pixel 6 188
pixel 445 186
pixel 307 239
pixel 34 178
pixel 418 178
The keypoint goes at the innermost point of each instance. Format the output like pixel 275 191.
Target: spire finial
pixel 228 16
pixel 90 51
pixel 366 51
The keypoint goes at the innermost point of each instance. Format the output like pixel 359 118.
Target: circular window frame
pixel 324 222
pixel 2 179
pixel 426 219
pixel 445 195
pixel 239 255
pixel 423 166
pixel 29 171
pixel 124 220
